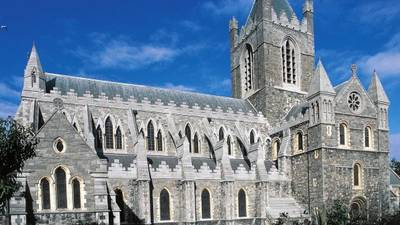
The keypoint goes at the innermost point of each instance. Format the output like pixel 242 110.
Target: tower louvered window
pixel 118 138
pixel 150 137
pixel 248 68
pixel 109 134
pixel 289 66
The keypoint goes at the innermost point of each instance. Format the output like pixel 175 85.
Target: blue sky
pixel 183 44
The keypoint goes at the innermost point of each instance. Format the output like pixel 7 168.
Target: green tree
pixel 338 214
pixel 395 165
pixel 17 144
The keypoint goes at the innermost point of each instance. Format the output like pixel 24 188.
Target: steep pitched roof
pixel 320 82
pixel 279 6
pixel 376 91
pixel 125 91
pixel 394 179
pixel 282 6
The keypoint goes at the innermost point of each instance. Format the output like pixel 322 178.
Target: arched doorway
pixel 358 209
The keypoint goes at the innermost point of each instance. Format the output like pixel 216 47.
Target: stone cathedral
pixel 288 141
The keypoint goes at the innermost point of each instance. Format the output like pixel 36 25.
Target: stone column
pixel 17 204
pixel 227 202
pixel 144 195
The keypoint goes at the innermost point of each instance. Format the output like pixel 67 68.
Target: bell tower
pixel 272 56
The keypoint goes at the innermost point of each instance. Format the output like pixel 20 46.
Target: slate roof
pixel 296 110
pixel 281 6
pixel 340 86
pixel 197 162
pixel 394 179
pixel 155 161
pixel 125 91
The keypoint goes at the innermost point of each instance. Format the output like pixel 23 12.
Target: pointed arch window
pixel 357 175
pixel 188 134
pixel 99 137
pixel 252 137
pixel 205 204
pixel 289 70
pixel 247 69
pixel 299 141
pixel 368 137
pixel 196 148
pixel 343 134
pixel 221 134
pixel 242 203
pixel 165 213
pixel 109 133
pixel 118 138
pixel 159 141
pixel 150 136
pixel 45 192
pixel 76 189
pixel 61 188
pixel 229 143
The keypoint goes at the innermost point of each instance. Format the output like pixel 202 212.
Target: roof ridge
pixel 143 86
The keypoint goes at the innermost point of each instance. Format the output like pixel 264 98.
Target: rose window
pixel 354 101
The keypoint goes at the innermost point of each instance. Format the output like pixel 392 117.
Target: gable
pixel 75 151
pixel 366 106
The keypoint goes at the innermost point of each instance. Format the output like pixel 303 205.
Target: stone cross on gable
pixel 354 69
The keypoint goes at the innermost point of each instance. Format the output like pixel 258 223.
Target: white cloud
pixel 7 109
pixel 178 87
pixel 123 53
pixel 223 85
pixel 191 25
pixel 338 63
pixel 7 91
pixel 386 62
pixel 395 145
pixel 228 7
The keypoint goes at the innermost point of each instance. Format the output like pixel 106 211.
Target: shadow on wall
pixel 127 215
pixel 30 217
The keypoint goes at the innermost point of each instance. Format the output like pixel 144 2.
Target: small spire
pixel 308 6
pixel 376 90
pixel 233 24
pixel 320 81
